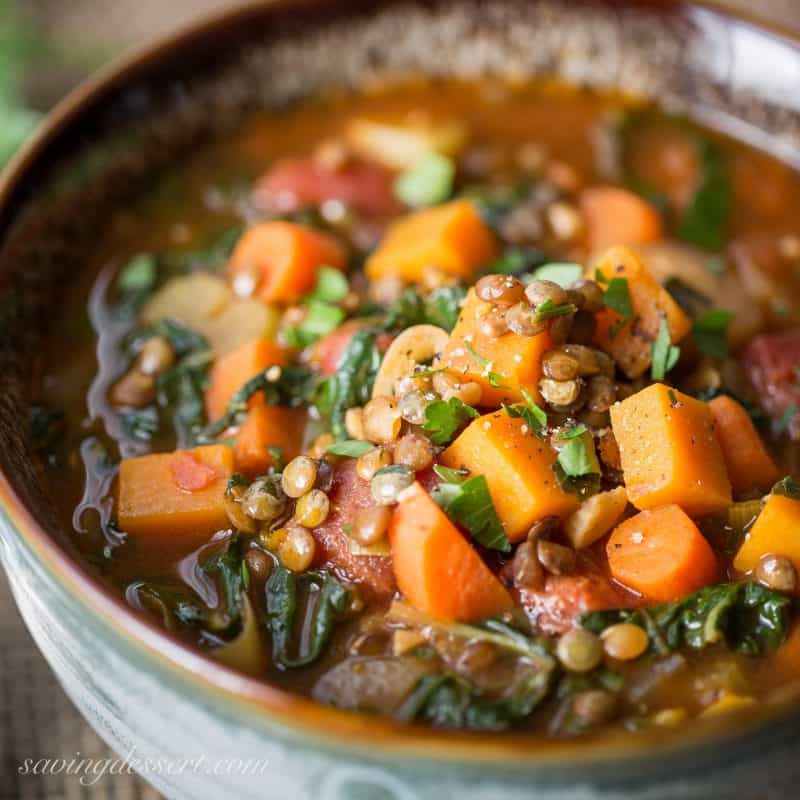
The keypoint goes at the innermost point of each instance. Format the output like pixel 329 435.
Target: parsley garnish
pixel 443 418
pixel 535 417
pixel 468 502
pixel 351 447
pixel 578 458
pixel 710 332
pixel 617 297
pixel 551 310
pixel 494 378
pixel 665 354
pixel 428 182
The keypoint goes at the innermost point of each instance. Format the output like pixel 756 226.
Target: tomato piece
pixel 771 361
pixel 295 183
pixel 190 474
pixel 330 349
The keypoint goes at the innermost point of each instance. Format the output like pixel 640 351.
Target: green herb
pixel 324 602
pixel 237 479
pixel 245 576
pixel 353 448
pixel 535 417
pixel 599 277
pixel 689 299
pixel 516 261
pixel 180 390
pixel 564 274
pixel 551 310
pixel 578 457
pixel 746 616
pixel 277 455
pixel 173 602
pixel 705 220
pixel 494 378
pixel 139 275
pixel 786 418
pixel 212 253
pixel 428 182
pixel 351 384
pixel 787 487
pixel 441 308
pixel 710 332
pixel 320 319
pixel 226 562
pixel 617 297
pixel 184 341
pixel 140 423
pixel 468 502
pixel 331 286
pixel 673 399
pixel 665 355
pixel 45 425
pixel 444 418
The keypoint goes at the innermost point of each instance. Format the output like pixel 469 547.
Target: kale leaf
pixel 226 562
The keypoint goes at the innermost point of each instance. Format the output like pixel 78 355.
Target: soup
pixel 469 404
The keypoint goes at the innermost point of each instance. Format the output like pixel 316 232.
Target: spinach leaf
pixel 428 182
pixel 665 355
pixel 320 319
pixel 226 562
pixel 748 617
pixel 141 423
pixel 324 601
pixel 212 253
pixel 710 332
pixel 441 308
pixel 351 384
pixel 444 418
pixel 468 502
pixel 181 390
pixel 705 220
pixel 516 261
pixel 45 425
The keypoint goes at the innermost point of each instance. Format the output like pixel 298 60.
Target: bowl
pixel 194 728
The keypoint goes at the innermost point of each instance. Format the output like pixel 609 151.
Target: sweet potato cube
pixel 518 467
pixel 670 452
pixel 176 494
pixel 630 342
pixel 750 466
pixel 267 427
pixel 515 360
pixel 230 372
pixel 282 259
pixel 452 238
pixel 776 531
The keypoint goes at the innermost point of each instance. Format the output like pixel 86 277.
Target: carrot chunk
pixel 285 258
pixel 669 451
pixel 630 341
pixel 661 554
pixel 263 428
pixel 175 494
pixel 616 216
pixel 231 371
pixel 452 238
pixel 437 569
pixel 502 366
pixel 518 468
pixel 775 531
pixel 750 466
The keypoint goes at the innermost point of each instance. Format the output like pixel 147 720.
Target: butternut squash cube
pixel 518 467
pixel 451 237
pixel 267 427
pixel 176 494
pixel 515 362
pixel 670 452
pixel 630 342
pixel 776 531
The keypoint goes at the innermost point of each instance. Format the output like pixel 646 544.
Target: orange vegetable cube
pixel 452 238
pixel 630 342
pixel 661 554
pixel 518 468
pixel 175 494
pixel 264 427
pixel 776 531
pixel 750 466
pixel 437 569
pixel 282 259
pixel 515 360
pixel 230 372
pixel 670 452
pixel 617 216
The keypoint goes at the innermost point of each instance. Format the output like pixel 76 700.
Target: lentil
pixel 579 650
pixel 556 558
pixel 414 451
pixel 297 549
pixel 500 290
pixel 387 483
pixel 381 420
pixel 776 573
pixel 299 476
pixel 371 461
pixel 312 509
pixel 625 641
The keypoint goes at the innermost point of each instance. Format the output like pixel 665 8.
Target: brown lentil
pixel 561 328
pixel 371 461
pixel 556 558
pixel 414 451
pixel 258 564
pixel 500 290
pixel 542 528
pixel 233 508
pixel 522 321
pixel 382 420
pixel 560 393
pixel 625 641
pixel 133 389
pixel 583 325
pixel 312 509
pixel 477 657
pixel 447 386
pixel 319 447
pixel 371 524
pixel 601 394
pixel 412 407
pixel 595 706
pixel 579 650
pixel 299 476
pixel 540 291
pixel 560 364
pixel 776 573
pixel 591 294
pixel 297 549
pixel 388 482
pixel 493 324
pixel 527 569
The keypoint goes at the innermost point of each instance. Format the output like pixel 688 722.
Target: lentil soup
pixel 469 404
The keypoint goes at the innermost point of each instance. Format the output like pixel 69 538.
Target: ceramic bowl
pixel 196 729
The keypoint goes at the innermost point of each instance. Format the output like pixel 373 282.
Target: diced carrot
pixel 776 531
pixel 518 468
pixel 514 361
pixel 264 427
pixel 437 569
pixel 616 216
pixel 156 498
pixel 285 257
pixel 750 466
pixel 230 372
pixel 661 554
pixel 452 238
pixel 630 342
pixel 670 452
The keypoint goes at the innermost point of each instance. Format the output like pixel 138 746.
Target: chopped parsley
pixel 578 457
pixel 495 380
pixel 534 416
pixel 617 297
pixel 444 418
pixel 710 332
pixel 665 354
pixel 353 448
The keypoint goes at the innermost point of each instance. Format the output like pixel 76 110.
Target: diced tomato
pixel 190 474
pixel 295 183
pixel 348 495
pixel 330 348
pixel 772 361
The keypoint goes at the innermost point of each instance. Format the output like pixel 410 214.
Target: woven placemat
pixel 38 723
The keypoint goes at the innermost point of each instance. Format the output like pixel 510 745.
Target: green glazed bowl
pixel 192 727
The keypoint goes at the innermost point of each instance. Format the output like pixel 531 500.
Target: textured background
pixel 56 42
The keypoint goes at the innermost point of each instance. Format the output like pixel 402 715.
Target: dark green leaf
pixel 444 418
pixel 516 261
pixel 689 299
pixel 441 308
pixel 665 355
pixel 710 332
pixel 788 487
pixel 428 182
pixel 226 563
pixel 786 418
pixel 140 423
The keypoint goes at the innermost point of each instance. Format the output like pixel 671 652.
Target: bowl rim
pixel 370 738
